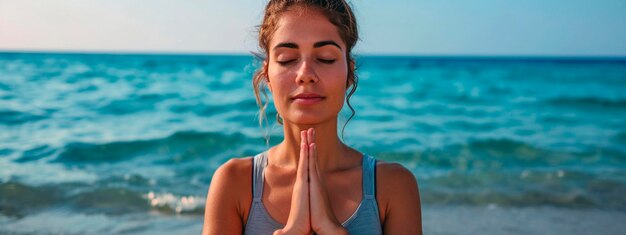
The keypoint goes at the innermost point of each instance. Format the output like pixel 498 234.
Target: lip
pixel 307 98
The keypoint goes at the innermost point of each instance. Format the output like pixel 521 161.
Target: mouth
pixel 307 98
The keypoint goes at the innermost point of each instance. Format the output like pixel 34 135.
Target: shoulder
pixel 396 189
pixel 229 197
pixel 233 181
pixel 391 174
pixel 398 198
pixel 234 175
pixel 234 168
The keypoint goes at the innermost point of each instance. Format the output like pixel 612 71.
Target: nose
pixel 306 74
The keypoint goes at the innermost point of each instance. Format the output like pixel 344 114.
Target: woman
pixel 311 182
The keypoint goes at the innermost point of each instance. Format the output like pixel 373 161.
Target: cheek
pixel 339 75
pixel 280 89
pixel 277 80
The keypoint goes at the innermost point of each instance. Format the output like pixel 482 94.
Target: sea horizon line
pixel 540 57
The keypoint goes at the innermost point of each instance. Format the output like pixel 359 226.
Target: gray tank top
pixel 365 220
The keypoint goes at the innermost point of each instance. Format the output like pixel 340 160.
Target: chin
pixel 306 119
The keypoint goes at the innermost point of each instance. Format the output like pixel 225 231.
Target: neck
pixel 329 147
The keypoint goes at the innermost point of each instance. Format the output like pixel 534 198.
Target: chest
pixel 344 191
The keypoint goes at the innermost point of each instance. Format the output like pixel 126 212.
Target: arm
pixel 398 190
pixel 231 184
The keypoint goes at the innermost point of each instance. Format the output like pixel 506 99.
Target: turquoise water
pixel 128 143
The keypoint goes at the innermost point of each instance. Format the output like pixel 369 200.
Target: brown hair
pixel 338 12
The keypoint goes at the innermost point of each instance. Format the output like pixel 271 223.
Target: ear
pixel 267 79
pixel 350 68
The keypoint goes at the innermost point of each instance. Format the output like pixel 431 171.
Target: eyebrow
pixel 315 45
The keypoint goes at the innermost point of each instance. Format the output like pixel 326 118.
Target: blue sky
pixel 426 27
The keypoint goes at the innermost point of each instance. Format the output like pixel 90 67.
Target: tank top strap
pixel 369 177
pixel 258 167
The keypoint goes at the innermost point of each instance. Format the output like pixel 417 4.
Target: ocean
pixel 128 143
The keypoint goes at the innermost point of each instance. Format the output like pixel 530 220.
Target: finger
pixel 313 174
pixel 299 214
pixel 312 151
pixel 318 207
pixel 321 212
pixel 314 189
pixel 303 165
pixel 314 177
pixel 305 141
pixel 310 136
pixel 304 136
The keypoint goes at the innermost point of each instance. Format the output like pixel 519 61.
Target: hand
pixel 310 208
pixel 299 221
pixel 323 220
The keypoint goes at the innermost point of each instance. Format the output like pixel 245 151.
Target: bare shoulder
pixel 234 178
pixel 398 197
pixel 235 168
pixel 391 175
pixel 230 191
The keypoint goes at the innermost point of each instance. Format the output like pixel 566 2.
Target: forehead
pixel 305 26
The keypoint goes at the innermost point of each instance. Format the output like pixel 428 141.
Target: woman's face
pixel 307 56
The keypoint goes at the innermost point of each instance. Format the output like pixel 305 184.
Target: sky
pixel 389 27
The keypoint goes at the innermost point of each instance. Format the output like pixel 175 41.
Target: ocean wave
pixel 620 137
pixel 184 146
pixel 501 153
pixel 14 117
pixel 36 153
pixel 471 125
pixel 5 152
pixel 4 87
pixel 588 102
pixel 135 103
pixel 17 199
pixel 203 109
pixel 527 187
pixel 109 200
pixel 568 189
pixel 528 198
pixel 127 180
pixel 170 203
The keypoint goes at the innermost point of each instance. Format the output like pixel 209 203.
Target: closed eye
pixel 320 60
pixel 285 62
